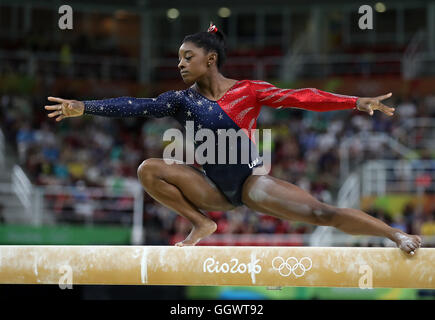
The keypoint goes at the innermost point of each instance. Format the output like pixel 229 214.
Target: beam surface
pixel 201 265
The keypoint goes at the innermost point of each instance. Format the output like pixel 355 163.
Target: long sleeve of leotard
pixel 164 105
pixel 307 98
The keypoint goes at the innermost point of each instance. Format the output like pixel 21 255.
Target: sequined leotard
pixel 237 109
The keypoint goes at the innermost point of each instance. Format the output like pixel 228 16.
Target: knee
pixel 254 192
pixel 325 214
pixel 148 170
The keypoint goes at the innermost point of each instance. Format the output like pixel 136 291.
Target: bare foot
pixel 198 232
pixel 407 242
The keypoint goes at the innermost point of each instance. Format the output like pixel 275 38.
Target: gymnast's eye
pixel 187 58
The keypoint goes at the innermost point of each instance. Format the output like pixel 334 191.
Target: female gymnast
pixel 215 102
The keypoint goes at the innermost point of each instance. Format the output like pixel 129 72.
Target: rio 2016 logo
pixel 211 265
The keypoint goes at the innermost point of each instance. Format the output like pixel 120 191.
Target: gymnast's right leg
pixel 186 191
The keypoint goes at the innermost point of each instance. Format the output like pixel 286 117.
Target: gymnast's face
pixel 194 62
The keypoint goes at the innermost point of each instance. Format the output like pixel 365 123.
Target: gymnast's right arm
pixel 164 105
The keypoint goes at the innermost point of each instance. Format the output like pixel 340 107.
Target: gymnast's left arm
pixel 315 99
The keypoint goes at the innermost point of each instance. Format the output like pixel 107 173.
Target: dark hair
pixel 210 42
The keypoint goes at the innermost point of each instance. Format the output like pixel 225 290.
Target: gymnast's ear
pixel 212 58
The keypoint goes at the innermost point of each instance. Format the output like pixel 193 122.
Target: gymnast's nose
pixel 181 65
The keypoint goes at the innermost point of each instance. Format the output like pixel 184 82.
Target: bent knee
pixel 325 214
pixel 148 169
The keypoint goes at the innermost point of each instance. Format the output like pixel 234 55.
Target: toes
pixel 411 248
pixel 407 248
pixel 188 244
pixel 184 244
pixel 417 243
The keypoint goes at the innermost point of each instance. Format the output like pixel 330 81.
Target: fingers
pixel 57 108
pixel 385 96
pixel 377 105
pixel 387 110
pixel 56 113
pixel 53 107
pixel 55 99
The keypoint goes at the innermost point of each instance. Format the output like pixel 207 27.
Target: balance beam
pixel 218 266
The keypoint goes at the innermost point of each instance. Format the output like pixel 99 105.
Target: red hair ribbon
pixel 212 28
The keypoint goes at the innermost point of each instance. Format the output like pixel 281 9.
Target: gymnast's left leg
pixel 287 201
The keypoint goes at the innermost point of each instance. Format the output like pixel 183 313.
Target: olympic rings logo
pixel 292 266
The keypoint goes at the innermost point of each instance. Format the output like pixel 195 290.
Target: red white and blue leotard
pixel 237 109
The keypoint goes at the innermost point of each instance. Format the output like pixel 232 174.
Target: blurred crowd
pixel 55 56
pixel 104 152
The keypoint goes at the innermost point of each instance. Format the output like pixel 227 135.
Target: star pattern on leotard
pixel 165 104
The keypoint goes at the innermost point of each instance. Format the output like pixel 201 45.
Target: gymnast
pixel 215 102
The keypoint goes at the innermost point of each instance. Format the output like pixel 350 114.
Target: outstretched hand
pixel 370 104
pixel 65 108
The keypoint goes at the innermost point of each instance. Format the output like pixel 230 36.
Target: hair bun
pixel 212 28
